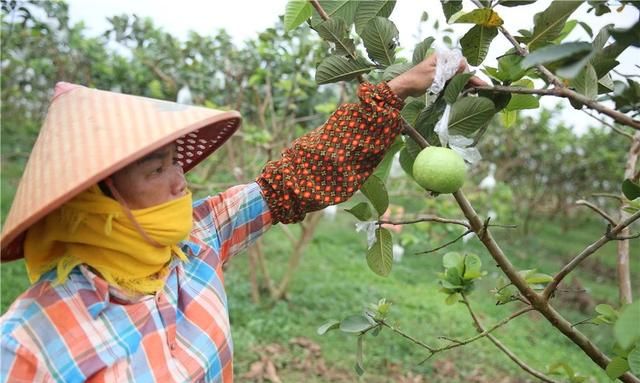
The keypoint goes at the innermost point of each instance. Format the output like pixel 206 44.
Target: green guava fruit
pixel 439 169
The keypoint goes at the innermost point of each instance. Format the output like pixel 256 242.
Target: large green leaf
pixel 338 68
pixel 587 82
pixel 421 49
pixel 368 10
pixel 406 161
pixel 451 7
pixel 380 37
pixel 428 118
pixel 328 326
pixel 486 17
pixel 470 114
pixel 361 211
pixel 343 9
pixel 626 329
pixel 376 193
pixel 355 323
pixel 523 101
pixel 548 24
pixel 296 13
pixel 411 111
pixel 336 31
pixel 567 52
pixel 393 71
pixel 475 43
pixel 455 86
pixel 380 255
pixel 617 367
pixel 630 36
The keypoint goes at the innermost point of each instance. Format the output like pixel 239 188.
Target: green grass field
pixel 333 281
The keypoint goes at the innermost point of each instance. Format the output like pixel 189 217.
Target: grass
pixel 333 281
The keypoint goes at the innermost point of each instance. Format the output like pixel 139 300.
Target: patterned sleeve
pixel 231 220
pixel 17 364
pixel 328 165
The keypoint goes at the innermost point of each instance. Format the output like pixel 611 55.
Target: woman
pixel 126 269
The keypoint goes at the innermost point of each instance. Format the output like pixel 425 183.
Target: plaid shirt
pixel 84 330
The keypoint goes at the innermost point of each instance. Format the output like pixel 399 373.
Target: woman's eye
pixel 158 170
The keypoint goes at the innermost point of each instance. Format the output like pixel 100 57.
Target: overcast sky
pixel 243 19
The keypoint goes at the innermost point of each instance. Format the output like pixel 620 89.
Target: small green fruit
pixel 439 169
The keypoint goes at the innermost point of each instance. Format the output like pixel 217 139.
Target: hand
pixel 418 79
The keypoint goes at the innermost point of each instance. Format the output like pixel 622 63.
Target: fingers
pixel 462 66
pixel 477 81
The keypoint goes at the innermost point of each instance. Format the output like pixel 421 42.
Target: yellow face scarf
pixel 93 229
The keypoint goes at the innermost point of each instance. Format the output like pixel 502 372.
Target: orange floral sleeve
pixel 328 165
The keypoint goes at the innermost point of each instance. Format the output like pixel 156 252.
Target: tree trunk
pixel 624 275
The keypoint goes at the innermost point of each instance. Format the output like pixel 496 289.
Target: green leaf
pixel 567 52
pixel 453 260
pixel 337 68
pixel 296 13
pixel 607 311
pixel 472 267
pixel 548 24
pixel 568 27
pixel 406 161
pixel 411 111
pixel 359 356
pixel 538 278
pixel 330 325
pixel 361 211
pixel 451 7
pixel 452 299
pixel 475 43
pixel 343 9
pixel 587 82
pixel 455 86
pixel 500 99
pixel 355 323
pixel 376 193
pixel 335 31
pixel 509 118
pixel 380 37
pixel 393 71
pixel 586 28
pixel 380 255
pixel 510 67
pixel 617 367
pixel 470 114
pixel 602 37
pixel 428 118
pixel 630 36
pixel 486 17
pixel 421 49
pixel 384 167
pixel 515 3
pixel 626 329
pixel 630 189
pixel 523 101
pixel 634 359
pixel 368 10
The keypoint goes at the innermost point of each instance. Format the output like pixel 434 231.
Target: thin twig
pixel 504 349
pixel 625 237
pixel 548 291
pixel 597 210
pixel 404 335
pixel 613 127
pixel 427 218
pixel 483 333
pixel 446 244
pixel 608 195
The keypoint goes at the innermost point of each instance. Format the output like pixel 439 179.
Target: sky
pixel 244 19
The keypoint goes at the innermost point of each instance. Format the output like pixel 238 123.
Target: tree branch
pixel 504 348
pixel 548 291
pixel 597 210
pixel 404 335
pixel 613 127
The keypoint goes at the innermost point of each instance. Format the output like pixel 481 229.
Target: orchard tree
pixel 579 71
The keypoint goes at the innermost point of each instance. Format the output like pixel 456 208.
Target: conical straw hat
pixel 89 134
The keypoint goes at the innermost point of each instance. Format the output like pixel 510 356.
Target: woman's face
pixel 153 180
